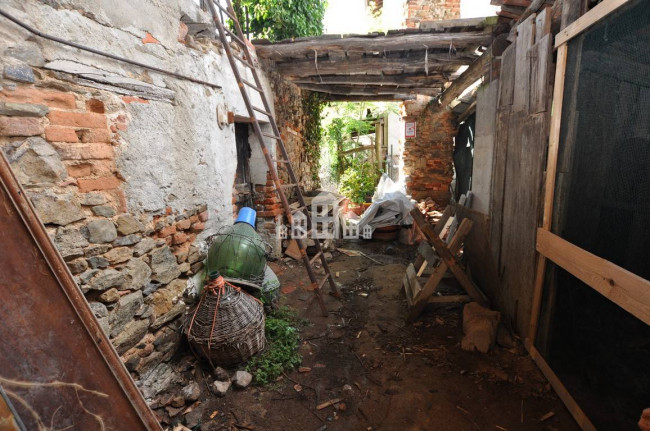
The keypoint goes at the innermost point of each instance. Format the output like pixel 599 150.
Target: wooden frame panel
pixel 627 290
pixel 599 12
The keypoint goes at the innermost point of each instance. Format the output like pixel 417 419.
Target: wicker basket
pixel 227 325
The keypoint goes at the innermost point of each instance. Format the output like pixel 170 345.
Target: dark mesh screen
pixel 602 204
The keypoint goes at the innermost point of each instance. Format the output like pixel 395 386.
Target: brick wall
pixel 132 267
pixel 428 158
pixel 430 10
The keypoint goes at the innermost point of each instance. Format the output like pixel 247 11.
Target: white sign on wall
pixel 409 131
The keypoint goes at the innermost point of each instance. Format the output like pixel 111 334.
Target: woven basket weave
pixel 233 334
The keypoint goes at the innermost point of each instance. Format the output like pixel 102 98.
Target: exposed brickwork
pixel 132 267
pixel 428 158
pixel 430 10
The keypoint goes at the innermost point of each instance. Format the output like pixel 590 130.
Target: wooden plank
pixel 580 417
pixel 421 300
pixel 542 24
pixel 498 182
pixel 549 187
pixel 449 299
pixel 525 40
pixel 408 288
pixel 554 135
pixel 446 255
pixel 406 80
pixel 542 57
pixel 507 78
pixel 446 215
pixel 625 289
pixel 478 253
pixel 581 24
pixel 522 205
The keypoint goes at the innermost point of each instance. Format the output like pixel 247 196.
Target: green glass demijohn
pixel 238 251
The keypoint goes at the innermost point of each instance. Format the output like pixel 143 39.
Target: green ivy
pixel 312 107
pixel 281 19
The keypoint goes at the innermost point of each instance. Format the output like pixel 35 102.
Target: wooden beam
pixel 383 98
pixel 473 73
pixel 454 23
pixel 599 12
pixel 405 80
pixel 283 51
pixel 580 417
pixel 549 187
pixel 534 6
pixel 625 289
pixel 415 60
pixel 370 90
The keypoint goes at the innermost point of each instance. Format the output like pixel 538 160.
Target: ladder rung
pixel 293 211
pixel 234 36
pixel 323 281
pixel 316 256
pixel 262 111
pixel 288 186
pixel 225 10
pixel 250 84
pixel 280 161
pixel 246 62
pixel 277 138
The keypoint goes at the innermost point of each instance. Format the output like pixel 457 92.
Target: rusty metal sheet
pixel 56 365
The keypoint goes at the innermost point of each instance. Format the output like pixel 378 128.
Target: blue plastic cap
pixel 246 215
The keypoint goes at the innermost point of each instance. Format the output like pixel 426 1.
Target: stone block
pixel 19 72
pixel 101 231
pixel 125 311
pixel 127 224
pixel 61 134
pixel 131 335
pixel 14 109
pixel 59 209
pixel 164 266
pixel 106 279
pixel 137 274
pixel 103 211
pixel 35 162
pixel 119 255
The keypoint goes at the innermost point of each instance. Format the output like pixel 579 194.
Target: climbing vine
pixel 312 107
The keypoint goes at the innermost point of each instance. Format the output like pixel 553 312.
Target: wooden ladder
pixel 245 60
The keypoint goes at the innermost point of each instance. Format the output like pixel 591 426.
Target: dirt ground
pixel 390 376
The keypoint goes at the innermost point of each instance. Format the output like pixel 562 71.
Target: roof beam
pixel 300 49
pixel 370 91
pixel 304 68
pixel 403 80
pixel 473 73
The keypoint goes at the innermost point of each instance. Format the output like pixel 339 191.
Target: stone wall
pixel 430 10
pixel 291 118
pixel 428 158
pixel 127 168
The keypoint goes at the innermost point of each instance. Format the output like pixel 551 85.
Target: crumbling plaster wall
pixel 128 168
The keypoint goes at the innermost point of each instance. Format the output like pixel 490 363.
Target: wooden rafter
pixel 307 48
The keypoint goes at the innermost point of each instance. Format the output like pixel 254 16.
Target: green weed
pixel 281 353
